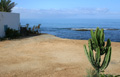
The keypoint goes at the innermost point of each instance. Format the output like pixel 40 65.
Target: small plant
pixel 36 29
pixel 39 26
pixel 97 49
pixel 93 73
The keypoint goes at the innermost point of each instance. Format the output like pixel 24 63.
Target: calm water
pixel 63 28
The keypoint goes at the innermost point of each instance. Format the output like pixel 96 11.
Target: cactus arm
pixel 92 60
pixel 108 43
pixel 88 54
pixel 92 34
pixel 86 51
pixel 110 50
pixel 91 52
pixel 106 59
pixel 98 57
pixel 102 43
pixel 95 39
pixel 103 64
pixel 97 33
pixel 101 37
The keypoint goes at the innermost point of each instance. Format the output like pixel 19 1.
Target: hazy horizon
pixel 67 9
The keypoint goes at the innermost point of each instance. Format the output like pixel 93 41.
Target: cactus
pixel 97 46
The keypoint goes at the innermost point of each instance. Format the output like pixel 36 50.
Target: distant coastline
pixel 78 28
pixel 85 29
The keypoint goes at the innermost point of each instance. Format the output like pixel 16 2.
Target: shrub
pixel 11 33
pixel 1 39
pixel 26 31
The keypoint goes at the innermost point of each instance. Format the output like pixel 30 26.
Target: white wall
pixel 10 19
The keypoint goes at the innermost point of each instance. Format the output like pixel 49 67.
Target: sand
pixel 49 56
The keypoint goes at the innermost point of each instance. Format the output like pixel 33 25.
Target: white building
pixel 11 20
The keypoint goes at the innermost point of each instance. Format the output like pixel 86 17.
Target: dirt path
pixel 49 56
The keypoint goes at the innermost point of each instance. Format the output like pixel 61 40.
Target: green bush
pixel 11 33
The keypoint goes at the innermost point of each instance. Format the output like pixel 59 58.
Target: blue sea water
pixel 64 27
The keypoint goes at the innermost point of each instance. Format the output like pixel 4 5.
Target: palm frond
pixel 6 5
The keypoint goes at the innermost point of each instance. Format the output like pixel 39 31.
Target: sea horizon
pixel 67 28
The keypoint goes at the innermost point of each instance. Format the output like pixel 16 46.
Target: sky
pixel 66 9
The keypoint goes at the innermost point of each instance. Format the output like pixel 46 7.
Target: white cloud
pixel 62 13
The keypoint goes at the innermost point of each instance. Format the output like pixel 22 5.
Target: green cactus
pixel 97 48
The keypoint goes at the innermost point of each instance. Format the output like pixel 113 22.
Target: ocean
pixel 67 28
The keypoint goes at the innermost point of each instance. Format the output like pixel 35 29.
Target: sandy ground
pixel 49 56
